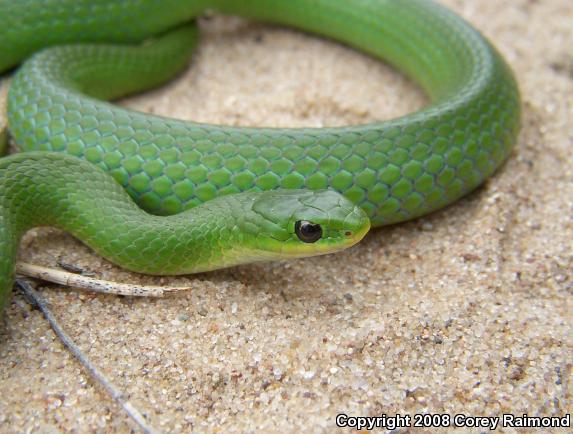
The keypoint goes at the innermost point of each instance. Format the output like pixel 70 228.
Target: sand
pixel 468 310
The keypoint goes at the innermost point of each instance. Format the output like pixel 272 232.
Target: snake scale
pixel 164 196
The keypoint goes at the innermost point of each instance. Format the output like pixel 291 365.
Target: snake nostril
pixel 348 233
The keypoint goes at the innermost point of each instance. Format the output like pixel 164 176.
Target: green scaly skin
pixel 393 171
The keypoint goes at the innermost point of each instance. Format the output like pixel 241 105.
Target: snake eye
pixel 307 232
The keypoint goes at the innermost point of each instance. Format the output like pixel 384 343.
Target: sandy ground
pixel 466 311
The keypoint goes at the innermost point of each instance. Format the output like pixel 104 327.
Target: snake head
pixel 300 223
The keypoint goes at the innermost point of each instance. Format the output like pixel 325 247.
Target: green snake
pixel 164 196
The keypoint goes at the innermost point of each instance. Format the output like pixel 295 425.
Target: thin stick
pixel 37 301
pixel 105 286
pixel 3 117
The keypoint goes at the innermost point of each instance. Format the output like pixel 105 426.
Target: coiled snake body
pixel 233 195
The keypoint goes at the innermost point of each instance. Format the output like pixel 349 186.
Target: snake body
pixel 233 194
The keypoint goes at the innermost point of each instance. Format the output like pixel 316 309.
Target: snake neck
pixel 47 189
